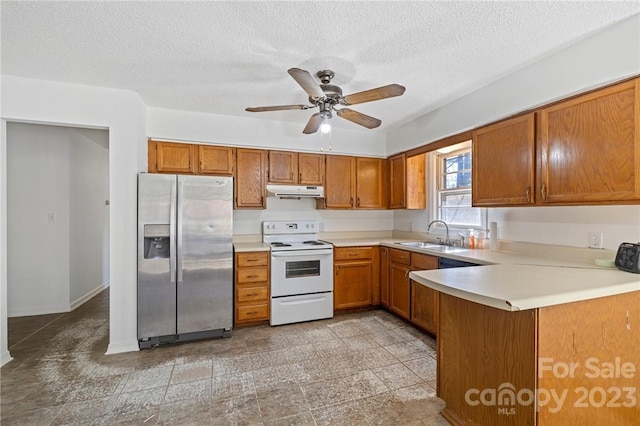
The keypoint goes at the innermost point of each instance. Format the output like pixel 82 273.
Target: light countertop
pixel 513 281
pixel 250 246
pixel 515 287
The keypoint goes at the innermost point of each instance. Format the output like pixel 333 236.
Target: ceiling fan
pixel 326 96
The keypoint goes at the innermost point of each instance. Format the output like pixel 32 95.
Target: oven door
pixel 301 272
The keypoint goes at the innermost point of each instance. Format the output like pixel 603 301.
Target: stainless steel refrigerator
pixel 185 258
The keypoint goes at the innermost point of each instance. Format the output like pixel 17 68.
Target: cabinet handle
pixel 291 175
pixel 353 254
pixel 527 194
pixel 351 201
pixel 300 177
pixel 190 166
pixel 543 191
pixel 252 313
pixel 252 294
pixel 252 276
pixel 252 260
pixel 358 202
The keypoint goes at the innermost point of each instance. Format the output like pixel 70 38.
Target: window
pixel 453 189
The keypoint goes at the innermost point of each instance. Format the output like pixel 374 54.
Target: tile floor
pixel 358 369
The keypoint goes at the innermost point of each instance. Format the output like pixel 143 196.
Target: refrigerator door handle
pixel 179 230
pixel 172 233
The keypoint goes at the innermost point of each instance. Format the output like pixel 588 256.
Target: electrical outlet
pixel 595 240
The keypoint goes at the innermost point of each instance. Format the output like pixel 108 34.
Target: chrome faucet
pixel 446 242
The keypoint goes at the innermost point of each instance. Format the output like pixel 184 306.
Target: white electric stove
pixel 301 272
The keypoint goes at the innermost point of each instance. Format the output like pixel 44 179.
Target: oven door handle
pixel 291 253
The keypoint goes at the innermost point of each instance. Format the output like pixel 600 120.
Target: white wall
pixel 123 114
pixel 38 245
pixel 606 56
pixel 55 263
pixel 89 215
pixel 259 133
pixel 250 221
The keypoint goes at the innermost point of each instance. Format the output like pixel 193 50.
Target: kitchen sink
pixel 432 246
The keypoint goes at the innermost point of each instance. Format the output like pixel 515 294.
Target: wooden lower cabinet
pixel 356 277
pixel 251 287
pixel 410 300
pixel 384 276
pixel 424 307
pixel 399 290
pixel 586 352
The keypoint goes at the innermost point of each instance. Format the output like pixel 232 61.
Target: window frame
pixel 436 188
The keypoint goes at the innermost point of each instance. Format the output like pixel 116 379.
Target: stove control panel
pixel 290 227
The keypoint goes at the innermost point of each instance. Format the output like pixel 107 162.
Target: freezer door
pixel 205 253
pixel 156 255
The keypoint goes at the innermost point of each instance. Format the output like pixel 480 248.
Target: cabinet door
pixel 424 307
pixel 215 160
pixel 416 182
pixel 283 167
pixel 352 284
pixel 175 157
pixel 590 148
pixel 310 169
pixel 340 182
pixel 384 276
pixel 503 163
pixel 397 188
pixel 250 178
pixel 369 186
pixel 399 290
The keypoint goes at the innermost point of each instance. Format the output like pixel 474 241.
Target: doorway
pixel 57 222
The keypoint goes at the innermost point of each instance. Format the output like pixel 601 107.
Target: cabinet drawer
pixel 424 261
pixel 400 256
pixel 251 294
pixel 351 253
pixel 251 275
pixel 254 312
pixel 252 259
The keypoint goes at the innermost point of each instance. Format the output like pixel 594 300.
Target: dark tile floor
pixel 358 369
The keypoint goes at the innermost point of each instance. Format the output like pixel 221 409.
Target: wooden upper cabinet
pixel 589 147
pixel 369 184
pixel 171 157
pixel 340 182
pixel 251 178
pixel 503 163
pixel 310 169
pixel 408 186
pixel 283 167
pixel 398 185
pixel 215 160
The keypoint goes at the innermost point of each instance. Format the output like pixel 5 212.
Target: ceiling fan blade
pixel 313 124
pixel 307 82
pixel 383 92
pixel 359 118
pixel 277 108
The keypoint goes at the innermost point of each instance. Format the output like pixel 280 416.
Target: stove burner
pixel 279 244
pixel 314 243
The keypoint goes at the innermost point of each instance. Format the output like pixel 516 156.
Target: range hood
pixel 295 191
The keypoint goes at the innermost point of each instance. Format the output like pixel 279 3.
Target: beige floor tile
pixel 354 369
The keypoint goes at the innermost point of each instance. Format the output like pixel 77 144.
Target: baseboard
pixel 26 312
pixel 80 301
pixel 39 310
pixel 5 357
pixel 120 347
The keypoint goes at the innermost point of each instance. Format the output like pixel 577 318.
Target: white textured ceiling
pixel 223 56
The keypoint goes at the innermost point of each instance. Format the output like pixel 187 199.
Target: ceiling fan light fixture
pixel 325 127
